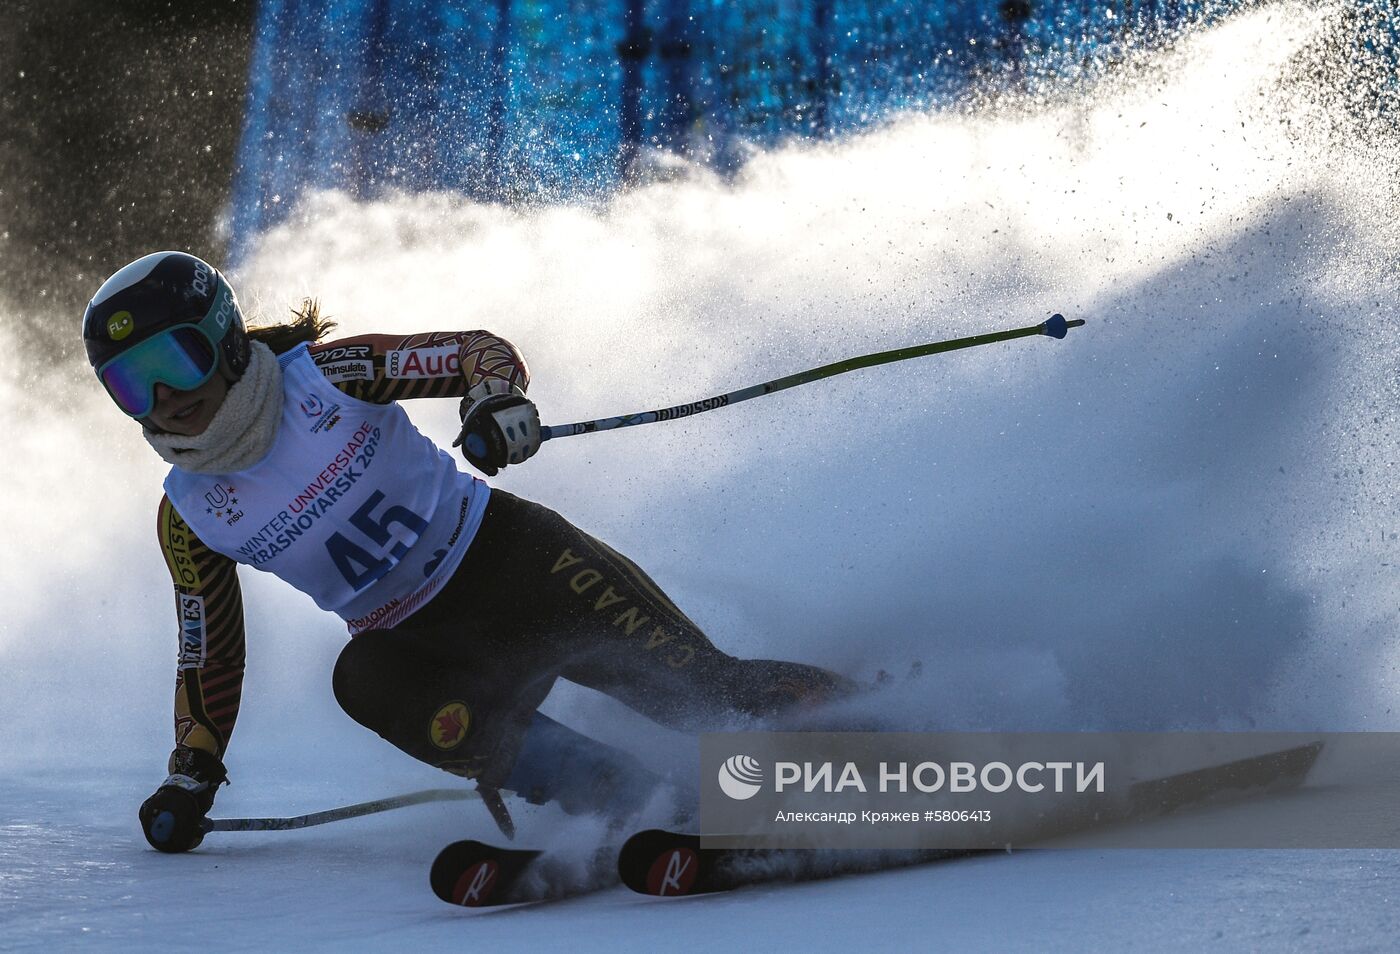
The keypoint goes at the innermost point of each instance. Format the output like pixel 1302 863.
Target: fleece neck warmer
pixel 243 428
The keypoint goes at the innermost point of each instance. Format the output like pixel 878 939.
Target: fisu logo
pixel 221 501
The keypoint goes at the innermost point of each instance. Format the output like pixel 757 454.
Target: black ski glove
pixel 172 818
pixel 500 426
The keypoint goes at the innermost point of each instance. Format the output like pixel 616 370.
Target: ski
pixel 1257 774
pixel 475 874
pixel 672 863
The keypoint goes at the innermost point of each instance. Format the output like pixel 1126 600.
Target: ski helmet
pixel 167 318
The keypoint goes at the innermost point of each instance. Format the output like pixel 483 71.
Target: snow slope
pixel 87 882
pixel 1184 516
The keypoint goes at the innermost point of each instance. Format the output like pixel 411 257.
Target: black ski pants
pixel 536 598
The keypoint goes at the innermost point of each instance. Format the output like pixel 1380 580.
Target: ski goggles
pixel 182 358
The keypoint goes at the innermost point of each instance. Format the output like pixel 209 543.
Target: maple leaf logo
pixel 449 726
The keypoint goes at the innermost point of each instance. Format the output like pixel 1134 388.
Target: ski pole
pixel 338 814
pixel 1055 327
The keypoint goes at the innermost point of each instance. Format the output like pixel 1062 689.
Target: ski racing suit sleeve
pixel 209 607
pixel 386 368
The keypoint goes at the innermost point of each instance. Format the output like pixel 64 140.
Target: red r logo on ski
pixel 673 872
pixel 474 887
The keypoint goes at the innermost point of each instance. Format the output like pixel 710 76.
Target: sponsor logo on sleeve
pixel 345 363
pixel 348 371
pixel 175 540
pixel 192 648
pixel 330 354
pixel 439 362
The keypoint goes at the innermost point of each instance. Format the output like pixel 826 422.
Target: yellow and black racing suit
pixel 456 684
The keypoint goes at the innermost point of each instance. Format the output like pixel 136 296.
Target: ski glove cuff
pixel 500 426
pixel 172 819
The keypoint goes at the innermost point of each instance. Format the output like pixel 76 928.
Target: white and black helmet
pixel 168 318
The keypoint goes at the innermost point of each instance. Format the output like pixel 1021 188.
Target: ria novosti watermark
pixel 988 790
pixel 926 777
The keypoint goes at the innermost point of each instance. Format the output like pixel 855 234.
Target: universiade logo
pixel 740 777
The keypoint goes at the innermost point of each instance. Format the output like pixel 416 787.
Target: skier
pixel 465 603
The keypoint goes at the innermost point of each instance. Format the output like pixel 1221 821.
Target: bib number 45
pixel 359 566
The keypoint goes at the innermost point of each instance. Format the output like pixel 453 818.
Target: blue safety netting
pixel 505 100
